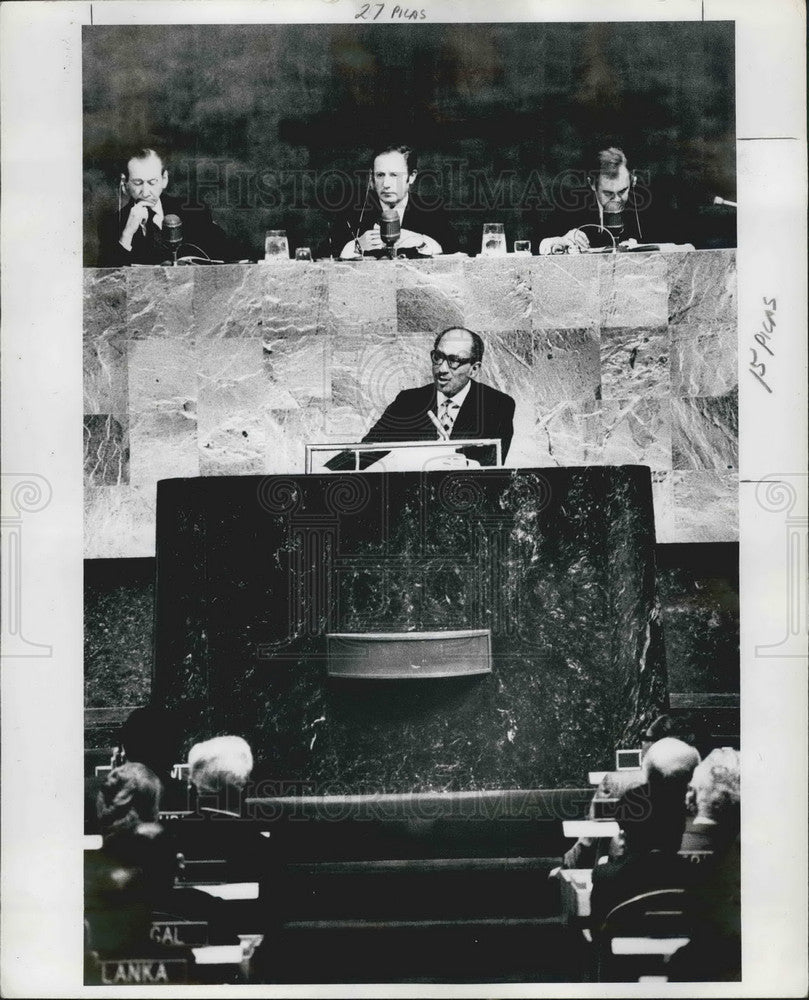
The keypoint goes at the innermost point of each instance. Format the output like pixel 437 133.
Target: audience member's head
pixel 670 760
pixel 150 736
pixel 130 796
pixel 221 767
pixel 652 815
pixel 713 792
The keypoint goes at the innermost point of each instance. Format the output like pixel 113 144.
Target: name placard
pixel 142 971
pixel 179 933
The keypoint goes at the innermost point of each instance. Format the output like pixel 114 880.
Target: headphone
pixel 121 193
pixel 633 179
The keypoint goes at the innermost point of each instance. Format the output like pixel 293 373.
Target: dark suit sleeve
pixel 600 895
pixel 111 253
pixel 506 425
pixel 443 232
pixel 434 223
pixel 384 429
pixel 496 421
pixel 203 237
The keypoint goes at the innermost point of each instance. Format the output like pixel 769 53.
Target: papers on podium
pixel 403 456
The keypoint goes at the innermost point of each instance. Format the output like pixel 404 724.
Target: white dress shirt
pixel 450 416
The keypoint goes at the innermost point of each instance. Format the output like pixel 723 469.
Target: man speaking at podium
pixel 453 405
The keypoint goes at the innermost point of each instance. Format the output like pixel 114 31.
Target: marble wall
pixel 699 607
pixel 118 631
pixel 231 370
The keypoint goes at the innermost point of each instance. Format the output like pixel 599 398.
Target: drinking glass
pixel 276 246
pixel 494 239
pixel 522 247
pixel 303 253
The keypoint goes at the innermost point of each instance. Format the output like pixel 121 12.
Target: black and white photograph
pixel 419 476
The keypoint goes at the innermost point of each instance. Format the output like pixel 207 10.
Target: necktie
pixel 146 227
pixel 449 412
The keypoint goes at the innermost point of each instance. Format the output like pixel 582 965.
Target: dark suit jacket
pixel 485 413
pixel 714 951
pixel 201 236
pixel 432 222
pixel 633 874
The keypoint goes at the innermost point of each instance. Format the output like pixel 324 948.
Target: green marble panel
pixel 252 573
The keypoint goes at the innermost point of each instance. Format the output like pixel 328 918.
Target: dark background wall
pixel 271 124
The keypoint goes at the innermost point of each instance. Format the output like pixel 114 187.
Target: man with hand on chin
pixel 454 405
pixel 135 233
pixel 425 231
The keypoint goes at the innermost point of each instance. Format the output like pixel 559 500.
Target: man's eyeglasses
pixel 451 359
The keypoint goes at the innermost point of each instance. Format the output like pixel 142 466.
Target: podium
pixel 255 573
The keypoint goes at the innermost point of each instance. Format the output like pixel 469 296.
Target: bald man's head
pixel 670 759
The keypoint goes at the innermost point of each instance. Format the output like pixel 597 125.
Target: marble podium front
pixel 213 371
pixel 253 571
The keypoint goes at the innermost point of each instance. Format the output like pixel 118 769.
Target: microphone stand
pixel 602 229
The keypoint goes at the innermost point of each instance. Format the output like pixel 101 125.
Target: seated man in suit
pixel 610 203
pixel 135 233
pixel 652 819
pixel 453 405
pixel 222 835
pixel 712 800
pixel 714 951
pixel 668 760
pixel 425 230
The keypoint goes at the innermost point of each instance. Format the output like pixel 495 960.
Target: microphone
pixel 614 221
pixel 390 227
pixel 173 233
pixel 722 201
pixel 173 230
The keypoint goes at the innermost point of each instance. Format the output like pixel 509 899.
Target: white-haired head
pixel 670 760
pixel 219 764
pixel 714 789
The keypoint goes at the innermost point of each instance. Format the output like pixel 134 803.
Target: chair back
pixel 639 936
